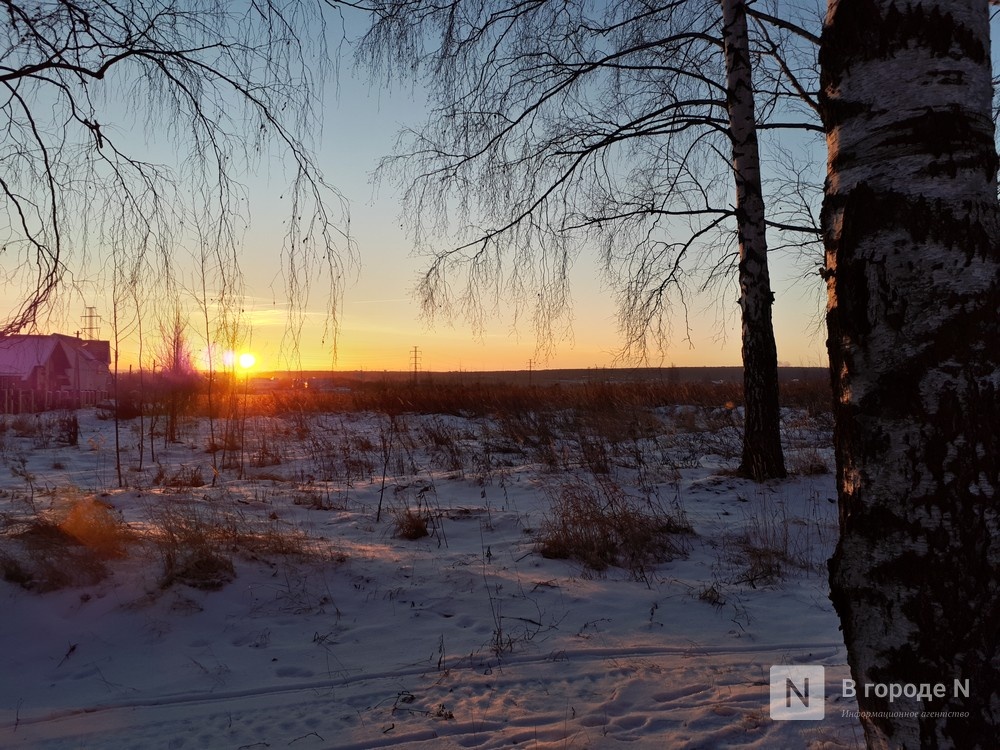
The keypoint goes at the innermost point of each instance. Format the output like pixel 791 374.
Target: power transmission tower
pixel 415 359
pixel 91 323
pixel 531 364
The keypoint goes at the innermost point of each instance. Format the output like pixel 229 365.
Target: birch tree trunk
pixel 762 454
pixel 913 268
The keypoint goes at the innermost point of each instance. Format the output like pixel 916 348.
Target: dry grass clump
pixel 66 547
pixel 194 548
pixel 199 568
pixel 411 524
pixel 416 513
pixel 26 425
pixel 71 545
pixel 198 545
pixel 180 478
pixel 772 543
pixel 99 527
pixel 600 525
pixel 808 462
pixel 41 557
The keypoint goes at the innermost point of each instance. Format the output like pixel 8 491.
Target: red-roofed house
pixel 53 371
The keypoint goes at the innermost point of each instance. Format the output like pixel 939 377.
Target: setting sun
pixel 247 360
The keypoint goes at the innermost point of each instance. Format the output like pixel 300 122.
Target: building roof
pixel 21 354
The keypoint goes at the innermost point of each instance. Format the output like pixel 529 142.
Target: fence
pixel 22 401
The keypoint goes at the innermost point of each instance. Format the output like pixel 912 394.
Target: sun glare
pixel 247 360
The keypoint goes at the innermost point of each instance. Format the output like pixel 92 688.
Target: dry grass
pixel 181 477
pixel 99 527
pixel 72 543
pixel 411 524
pixel 444 395
pixel 610 431
pixel 598 425
pixel 770 543
pixel 194 547
pixel 65 546
pixel 808 462
pixel 600 525
pixel 198 543
pixel 41 557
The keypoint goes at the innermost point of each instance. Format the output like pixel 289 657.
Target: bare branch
pixel 561 128
pixel 221 82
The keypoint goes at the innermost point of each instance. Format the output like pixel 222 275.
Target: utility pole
pixel 531 364
pixel 415 360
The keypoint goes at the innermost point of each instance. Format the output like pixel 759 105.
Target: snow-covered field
pixel 276 609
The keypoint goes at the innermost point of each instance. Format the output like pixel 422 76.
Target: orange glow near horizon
pixel 366 349
pixel 380 335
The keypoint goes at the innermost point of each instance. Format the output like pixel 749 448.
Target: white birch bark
pixel 762 453
pixel 913 273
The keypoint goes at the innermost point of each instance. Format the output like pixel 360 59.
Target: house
pixel 53 371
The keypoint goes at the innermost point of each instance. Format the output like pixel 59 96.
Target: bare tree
pixel 123 323
pixel 911 223
pixel 224 83
pixel 177 381
pixel 556 127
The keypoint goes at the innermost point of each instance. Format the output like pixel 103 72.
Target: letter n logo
pixel 797 692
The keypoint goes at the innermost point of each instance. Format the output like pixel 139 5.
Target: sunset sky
pixel 381 320
pixel 381 317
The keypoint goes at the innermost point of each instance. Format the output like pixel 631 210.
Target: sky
pixel 381 317
pixel 381 323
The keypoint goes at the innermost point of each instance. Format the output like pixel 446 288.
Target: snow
pixel 466 638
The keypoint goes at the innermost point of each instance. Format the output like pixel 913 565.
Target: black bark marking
pixel 945 577
pixel 865 34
